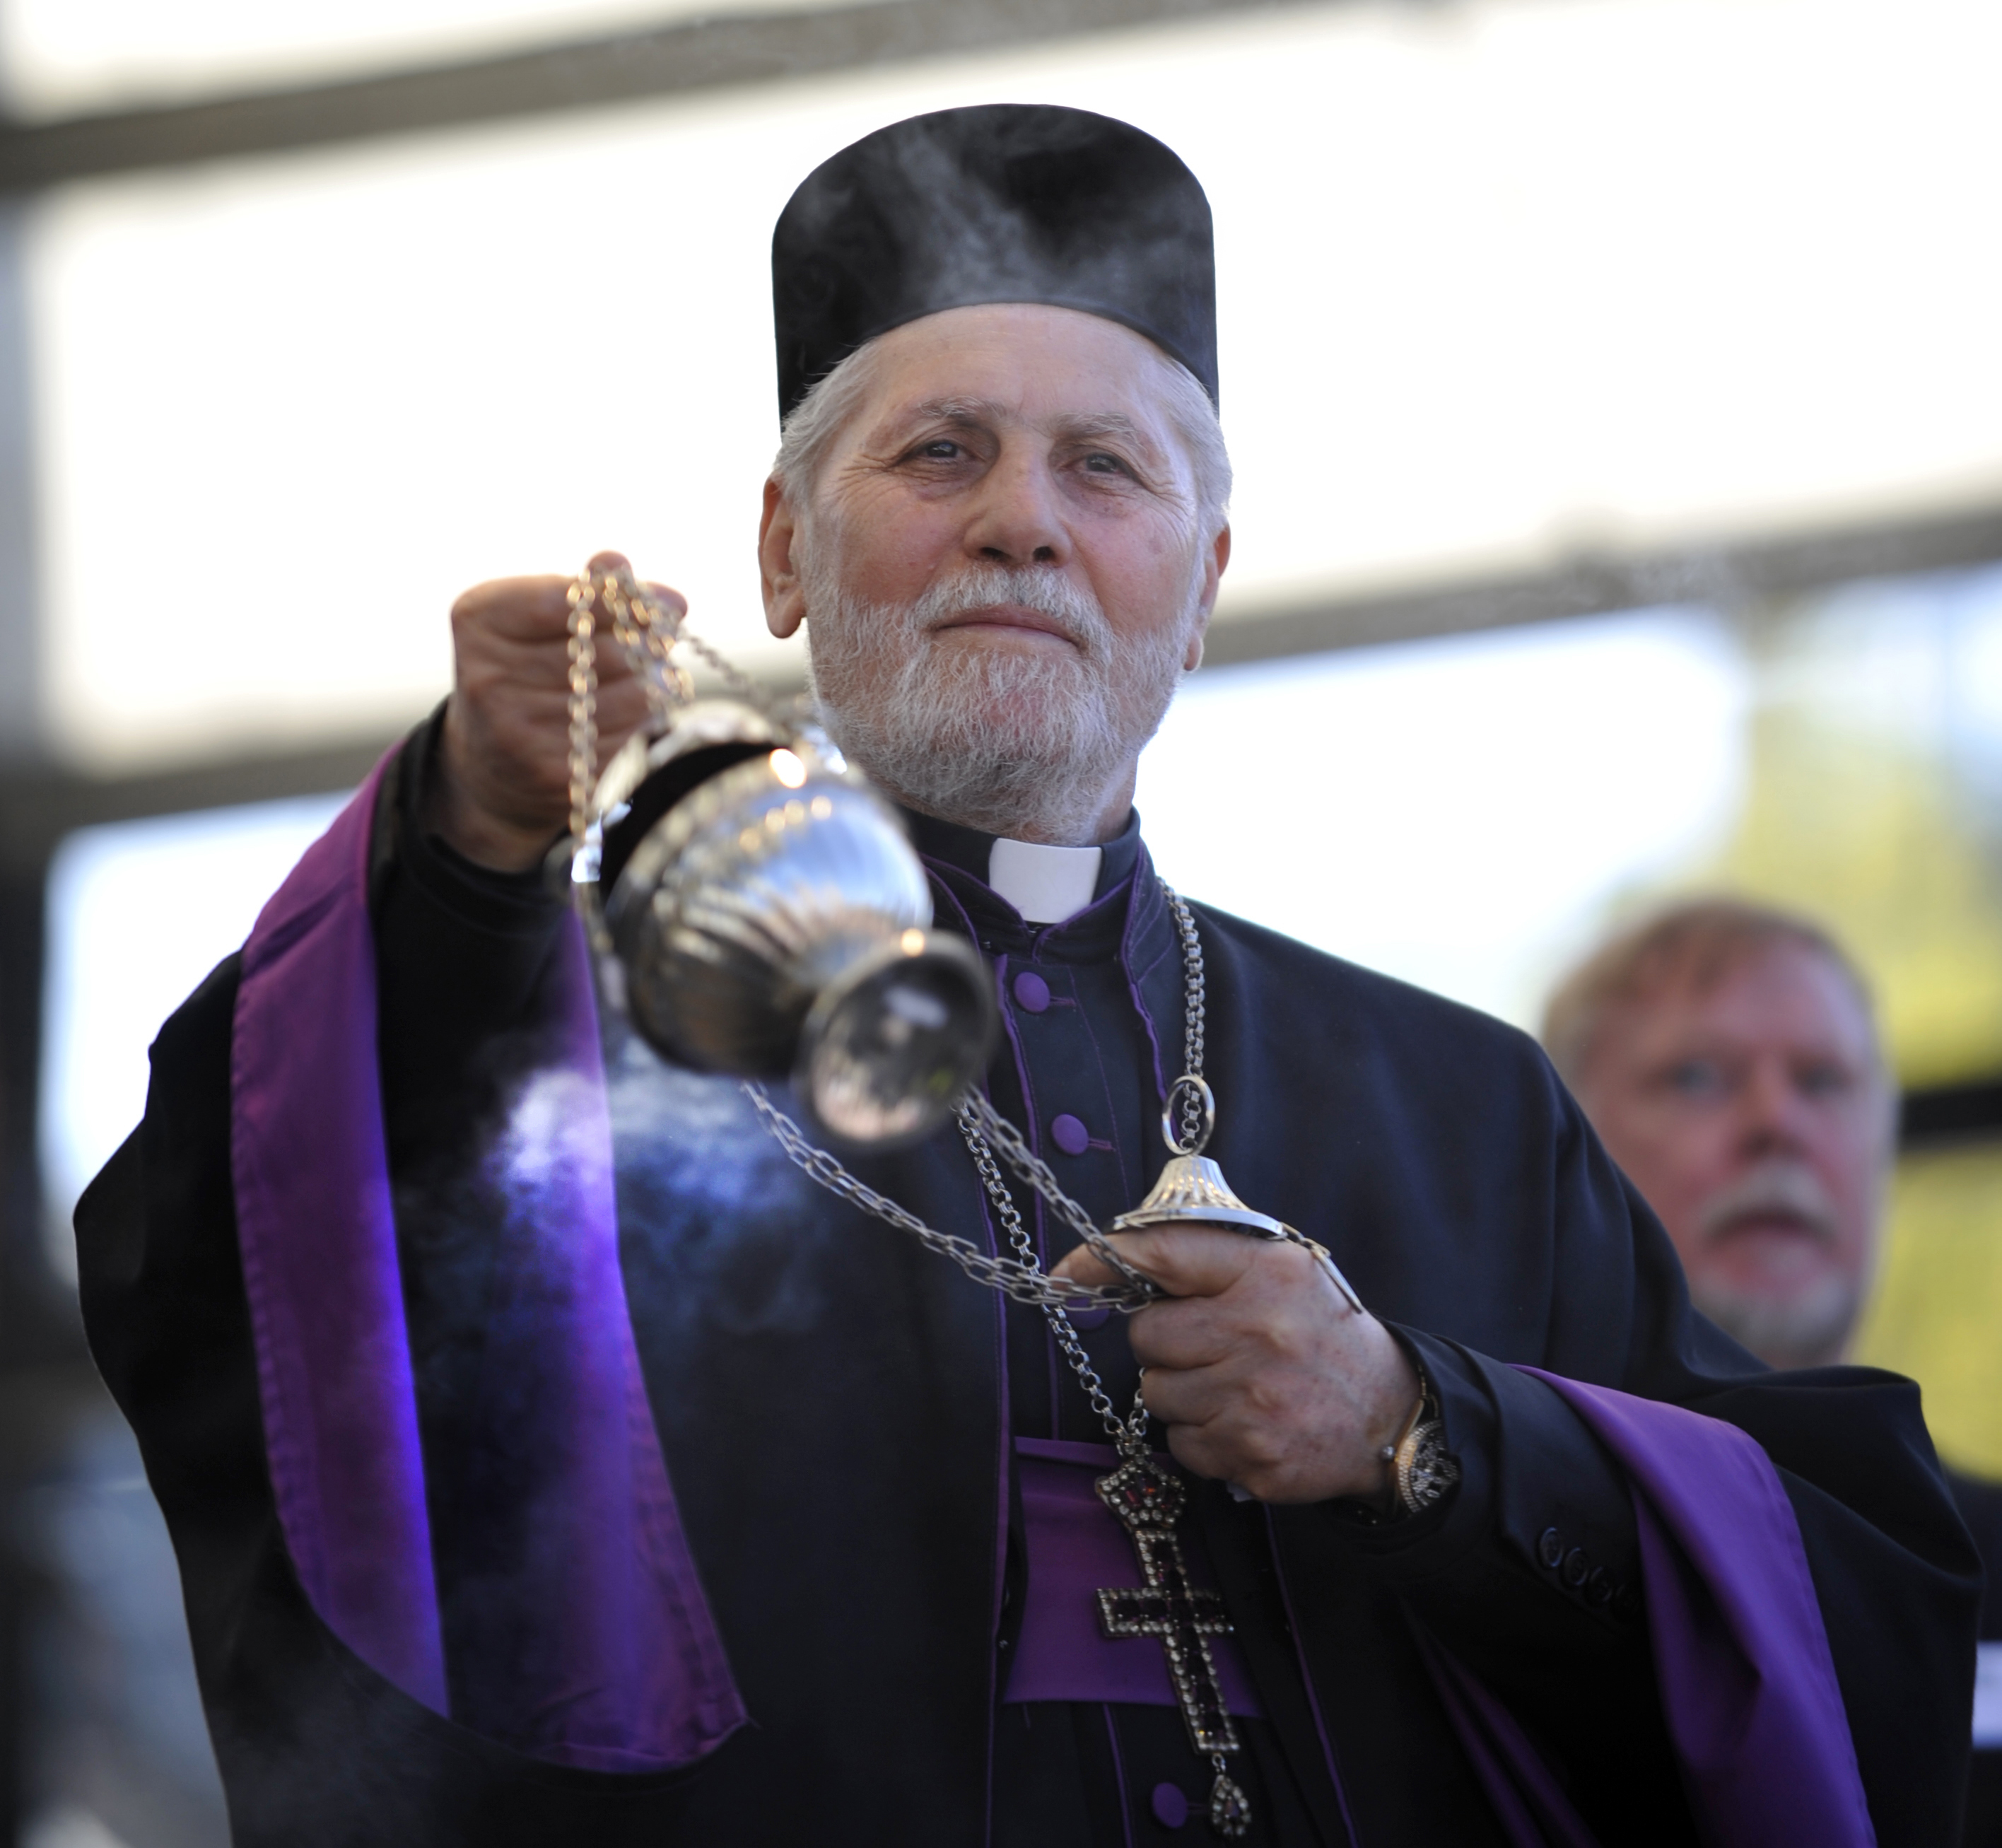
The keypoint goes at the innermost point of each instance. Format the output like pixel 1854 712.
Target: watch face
pixel 1425 1469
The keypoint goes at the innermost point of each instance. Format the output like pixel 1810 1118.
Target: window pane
pixel 138 913
pixel 1460 813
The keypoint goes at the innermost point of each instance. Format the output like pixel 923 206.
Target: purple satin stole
pixel 618 1663
pixel 1076 1548
pixel 1747 1683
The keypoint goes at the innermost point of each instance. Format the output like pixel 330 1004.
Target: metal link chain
pixel 1023 1283
pixel 980 1118
pixel 583 711
pixel 984 1130
pixel 1193 1094
pixel 1129 1433
pixel 976 1115
pixel 650 632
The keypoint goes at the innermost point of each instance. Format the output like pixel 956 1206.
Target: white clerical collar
pixel 1045 885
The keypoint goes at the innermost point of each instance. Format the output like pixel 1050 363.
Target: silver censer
pixel 765 913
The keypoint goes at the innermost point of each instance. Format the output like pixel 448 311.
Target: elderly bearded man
pixel 1728 1055
pixel 763 1526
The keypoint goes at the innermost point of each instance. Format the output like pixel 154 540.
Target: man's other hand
pixel 1263 1375
pixel 502 790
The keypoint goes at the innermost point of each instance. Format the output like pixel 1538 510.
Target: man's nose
pixel 1016 518
pixel 1773 1114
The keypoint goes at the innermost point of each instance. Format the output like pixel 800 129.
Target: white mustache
pixel 1772 1188
pixel 1076 612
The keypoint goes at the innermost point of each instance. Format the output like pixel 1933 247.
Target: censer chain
pixel 650 634
pixel 1022 1283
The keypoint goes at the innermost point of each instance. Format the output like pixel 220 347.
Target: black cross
pixel 1148 1500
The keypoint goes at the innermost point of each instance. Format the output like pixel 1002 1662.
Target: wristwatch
pixel 1424 1469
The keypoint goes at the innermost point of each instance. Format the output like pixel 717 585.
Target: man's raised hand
pixel 502 791
pixel 1263 1374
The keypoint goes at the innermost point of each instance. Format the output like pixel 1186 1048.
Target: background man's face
pixel 1751 1114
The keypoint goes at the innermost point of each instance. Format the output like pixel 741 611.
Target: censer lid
pixel 1192 1187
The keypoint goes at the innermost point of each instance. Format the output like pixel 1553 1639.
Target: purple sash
pixel 1076 1548
pixel 619 1663
pixel 1742 1659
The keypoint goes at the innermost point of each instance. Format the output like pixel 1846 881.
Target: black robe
pixel 1980 1505
pixel 834 1404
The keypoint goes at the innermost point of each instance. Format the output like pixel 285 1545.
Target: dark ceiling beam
pixel 664 61
pixel 1946 1115
pixel 39 806
pixel 1723 575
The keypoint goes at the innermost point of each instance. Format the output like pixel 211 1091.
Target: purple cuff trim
pixel 1076 1547
pixel 616 1663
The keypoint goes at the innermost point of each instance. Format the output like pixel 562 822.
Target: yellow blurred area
pixel 1938 1314
pixel 1850 814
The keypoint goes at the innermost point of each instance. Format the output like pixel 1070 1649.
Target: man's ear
pixel 1215 559
pixel 785 596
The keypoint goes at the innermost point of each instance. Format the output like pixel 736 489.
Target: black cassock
pixel 833 1402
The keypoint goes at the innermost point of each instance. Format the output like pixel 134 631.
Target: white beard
pixel 1032 746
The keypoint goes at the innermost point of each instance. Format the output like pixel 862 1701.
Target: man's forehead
pixel 972 411
pixel 1777 990
pixel 1022 364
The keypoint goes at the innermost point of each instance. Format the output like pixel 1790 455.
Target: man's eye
pixel 1696 1078
pixel 944 449
pixel 1824 1081
pixel 1100 463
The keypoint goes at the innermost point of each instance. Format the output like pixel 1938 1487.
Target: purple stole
pixel 622 1669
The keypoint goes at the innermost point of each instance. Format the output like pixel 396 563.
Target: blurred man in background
pixel 1727 1055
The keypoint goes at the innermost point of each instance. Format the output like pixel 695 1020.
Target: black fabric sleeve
pixel 461 952
pixel 1980 1505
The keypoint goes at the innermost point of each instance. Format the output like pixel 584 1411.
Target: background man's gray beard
pixel 1792 1331
pixel 1803 1330
pixel 1022 745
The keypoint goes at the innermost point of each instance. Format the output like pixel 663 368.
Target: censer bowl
pixel 773 920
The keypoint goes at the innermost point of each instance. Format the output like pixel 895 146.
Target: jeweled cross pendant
pixel 1148 1501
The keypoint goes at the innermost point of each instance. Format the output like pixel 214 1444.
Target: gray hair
pixel 1699 941
pixel 820 417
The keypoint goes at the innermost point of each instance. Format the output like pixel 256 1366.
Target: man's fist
pixel 502 792
pixel 1262 1373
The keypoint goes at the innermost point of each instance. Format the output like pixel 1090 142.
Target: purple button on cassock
pixel 1170 1806
pixel 1069 1134
pixel 1032 993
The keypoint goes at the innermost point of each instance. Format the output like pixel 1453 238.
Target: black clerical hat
pixel 1008 202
